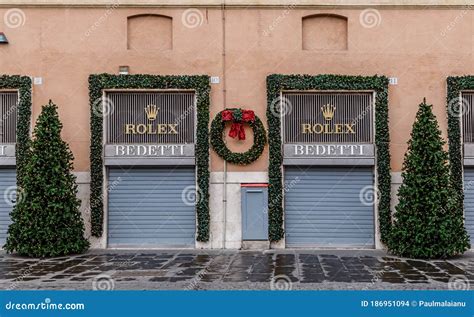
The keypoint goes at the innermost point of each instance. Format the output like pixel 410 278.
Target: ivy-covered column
pixel 455 109
pixel 23 85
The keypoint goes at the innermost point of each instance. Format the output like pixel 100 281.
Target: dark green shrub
pixel 46 218
pixel 427 222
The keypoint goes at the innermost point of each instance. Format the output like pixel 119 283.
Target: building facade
pixel 140 138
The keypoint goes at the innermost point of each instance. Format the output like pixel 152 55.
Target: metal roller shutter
pixel 323 207
pixel 7 190
pixel 469 202
pixel 146 207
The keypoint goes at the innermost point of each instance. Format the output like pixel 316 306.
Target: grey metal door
pixel 469 202
pixel 7 199
pixel 323 207
pixel 151 207
pixel 254 213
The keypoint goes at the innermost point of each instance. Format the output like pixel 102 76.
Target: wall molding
pixel 237 3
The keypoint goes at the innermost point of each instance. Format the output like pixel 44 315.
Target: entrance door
pixel 254 213
pixel 151 207
pixel 324 207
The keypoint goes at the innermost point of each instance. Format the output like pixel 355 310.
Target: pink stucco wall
pixel 421 47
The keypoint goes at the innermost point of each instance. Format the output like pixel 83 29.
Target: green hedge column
pixel 455 110
pixel 277 83
pixel 200 84
pixel 23 85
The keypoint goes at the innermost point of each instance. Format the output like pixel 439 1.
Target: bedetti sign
pixel 150 150
pixel 329 149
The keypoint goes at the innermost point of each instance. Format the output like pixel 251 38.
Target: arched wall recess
pixel 149 32
pixel 324 32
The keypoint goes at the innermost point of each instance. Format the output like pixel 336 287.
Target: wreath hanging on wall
pixel 238 117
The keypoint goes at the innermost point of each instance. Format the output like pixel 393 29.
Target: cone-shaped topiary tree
pixel 428 221
pixel 46 220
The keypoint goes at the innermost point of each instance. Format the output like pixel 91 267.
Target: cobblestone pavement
pixel 204 269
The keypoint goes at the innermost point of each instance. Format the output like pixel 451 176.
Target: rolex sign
pixel 151 112
pixel 151 118
pixel 333 118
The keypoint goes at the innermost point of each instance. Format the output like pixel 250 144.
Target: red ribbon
pixel 237 128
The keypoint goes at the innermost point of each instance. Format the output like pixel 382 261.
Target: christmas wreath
pixel 238 118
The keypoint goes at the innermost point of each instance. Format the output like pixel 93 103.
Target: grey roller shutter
pixel 7 192
pixel 323 207
pixel 151 207
pixel 469 202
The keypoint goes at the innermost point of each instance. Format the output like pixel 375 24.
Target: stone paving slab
pixel 217 269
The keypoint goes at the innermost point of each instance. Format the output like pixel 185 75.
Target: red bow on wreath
pixel 238 117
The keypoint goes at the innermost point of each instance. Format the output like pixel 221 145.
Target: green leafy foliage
pixel 427 222
pixel 275 85
pixel 23 85
pixel 46 220
pixel 248 157
pixel 200 84
pixel 455 87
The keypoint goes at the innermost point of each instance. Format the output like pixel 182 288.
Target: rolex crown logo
pixel 151 112
pixel 328 111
